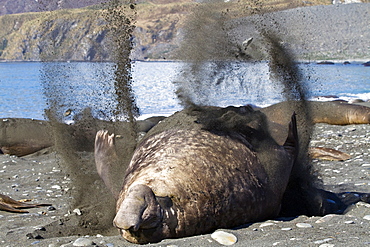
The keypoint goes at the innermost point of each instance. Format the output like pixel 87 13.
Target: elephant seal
pixel 330 112
pixel 197 171
pixel 21 137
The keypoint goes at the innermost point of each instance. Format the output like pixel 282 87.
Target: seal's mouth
pixel 141 236
pixel 137 227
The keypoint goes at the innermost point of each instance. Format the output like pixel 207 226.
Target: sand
pixel 42 178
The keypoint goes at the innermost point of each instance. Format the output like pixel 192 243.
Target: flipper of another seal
pixel 10 205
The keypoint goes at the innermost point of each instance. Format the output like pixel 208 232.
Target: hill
pixel 22 6
pixel 82 34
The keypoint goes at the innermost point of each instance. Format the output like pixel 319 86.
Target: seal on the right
pixel 330 112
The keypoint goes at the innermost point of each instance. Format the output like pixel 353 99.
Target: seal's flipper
pixel 106 160
pixel 10 205
pixel 8 208
pixel 140 209
pixel 291 144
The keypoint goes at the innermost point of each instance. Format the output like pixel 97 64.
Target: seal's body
pixel 184 182
pixel 24 136
pixel 330 112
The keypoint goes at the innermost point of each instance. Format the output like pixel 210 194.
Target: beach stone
pixel 77 211
pixel 286 229
pixel 56 187
pixel 83 242
pixel 323 241
pixel 367 217
pixel 224 238
pixel 349 222
pixel 325 218
pixel 303 225
pixel 267 224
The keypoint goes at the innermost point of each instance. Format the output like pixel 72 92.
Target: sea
pixel 29 88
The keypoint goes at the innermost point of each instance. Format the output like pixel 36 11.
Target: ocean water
pixel 28 88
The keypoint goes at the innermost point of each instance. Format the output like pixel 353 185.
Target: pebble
pixel 77 211
pixel 323 241
pixel 224 238
pixel 286 229
pixel 56 187
pixel 367 217
pixel 326 218
pixel 349 222
pixel 9 162
pixel 267 224
pixel 83 242
pixel 303 225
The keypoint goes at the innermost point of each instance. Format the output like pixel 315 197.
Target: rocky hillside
pixel 64 35
pixel 21 6
pixel 82 34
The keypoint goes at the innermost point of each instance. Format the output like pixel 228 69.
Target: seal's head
pixel 141 216
pixel 140 209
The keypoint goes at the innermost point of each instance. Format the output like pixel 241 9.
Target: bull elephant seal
pixel 197 171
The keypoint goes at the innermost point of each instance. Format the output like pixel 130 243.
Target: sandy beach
pixel 41 178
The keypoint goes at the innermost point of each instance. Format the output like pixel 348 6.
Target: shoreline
pixel 356 61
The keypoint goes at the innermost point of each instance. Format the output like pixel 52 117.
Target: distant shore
pixel 336 61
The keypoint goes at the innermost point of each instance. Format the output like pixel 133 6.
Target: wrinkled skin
pixel 214 168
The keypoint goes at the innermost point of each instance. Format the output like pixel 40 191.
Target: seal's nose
pixel 126 222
